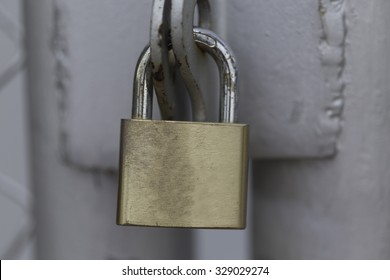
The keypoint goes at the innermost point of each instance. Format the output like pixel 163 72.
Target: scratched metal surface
pixel 290 69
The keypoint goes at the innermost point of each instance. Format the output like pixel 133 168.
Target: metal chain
pixel 188 56
pixel 223 56
pixel 159 50
pixel 161 41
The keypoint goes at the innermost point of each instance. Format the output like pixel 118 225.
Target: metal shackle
pixel 170 20
pixel 209 42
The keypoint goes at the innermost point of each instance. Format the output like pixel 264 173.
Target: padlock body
pixel 183 174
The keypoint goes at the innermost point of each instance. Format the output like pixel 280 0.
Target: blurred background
pixel 314 87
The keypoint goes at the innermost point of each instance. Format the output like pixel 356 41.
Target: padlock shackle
pixel 223 56
pixel 208 41
pixel 143 87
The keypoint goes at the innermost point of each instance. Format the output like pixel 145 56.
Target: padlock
pixel 184 174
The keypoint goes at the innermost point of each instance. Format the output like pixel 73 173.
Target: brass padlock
pixel 184 174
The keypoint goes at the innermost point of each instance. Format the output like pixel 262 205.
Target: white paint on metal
pixel 76 210
pixel 332 49
pixel 96 45
pixel 16 219
pixel 189 57
pixel 329 208
pixel 291 84
pixel 338 208
pixel 16 234
pixel 11 35
pixel 163 76
pixel 284 75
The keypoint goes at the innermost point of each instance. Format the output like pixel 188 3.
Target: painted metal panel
pixel 338 208
pixel 16 234
pixel 75 210
pixel 290 60
pixel 96 45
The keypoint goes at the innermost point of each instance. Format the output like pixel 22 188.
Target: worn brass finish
pixel 183 174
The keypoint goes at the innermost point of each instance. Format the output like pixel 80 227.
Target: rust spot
pixel 159 75
pixel 160 29
pixel 153 66
pixel 160 35
pixel 169 39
